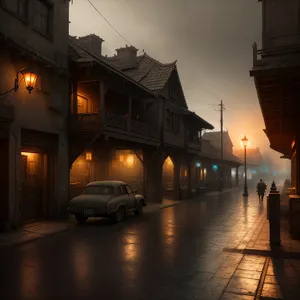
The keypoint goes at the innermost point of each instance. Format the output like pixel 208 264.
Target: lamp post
pixel 245 142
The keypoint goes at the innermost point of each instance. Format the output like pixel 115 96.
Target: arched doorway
pixel 168 175
pixel 126 166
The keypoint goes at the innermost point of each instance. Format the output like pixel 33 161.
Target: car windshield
pixel 98 190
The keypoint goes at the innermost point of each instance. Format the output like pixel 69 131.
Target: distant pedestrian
pixel 261 189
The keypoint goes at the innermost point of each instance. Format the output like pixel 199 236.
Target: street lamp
pixel 245 142
pixel 29 76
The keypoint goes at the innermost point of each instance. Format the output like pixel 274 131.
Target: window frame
pixel 120 189
pixel 128 188
pixel 50 7
pixel 16 13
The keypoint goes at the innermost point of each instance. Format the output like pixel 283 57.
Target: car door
pixel 131 197
pixel 125 197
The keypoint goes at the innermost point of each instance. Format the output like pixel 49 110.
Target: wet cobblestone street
pixel 193 250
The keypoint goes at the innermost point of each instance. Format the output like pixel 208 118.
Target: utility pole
pixel 222 108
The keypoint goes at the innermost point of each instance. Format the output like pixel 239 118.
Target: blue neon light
pixel 215 167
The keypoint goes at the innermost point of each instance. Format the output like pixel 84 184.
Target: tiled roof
pixel 148 71
pixel 209 151
pixel 215 137
pixel 195 118
pixel 78 53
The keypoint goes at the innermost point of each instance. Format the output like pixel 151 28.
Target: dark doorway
pixel 33 173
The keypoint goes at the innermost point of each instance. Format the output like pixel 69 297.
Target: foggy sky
pixel 211 41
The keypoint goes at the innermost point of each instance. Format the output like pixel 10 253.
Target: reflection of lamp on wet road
pixel 245 143
pixel 130 160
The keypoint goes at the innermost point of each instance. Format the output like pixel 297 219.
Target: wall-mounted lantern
pixel 88 156
pixel 29 77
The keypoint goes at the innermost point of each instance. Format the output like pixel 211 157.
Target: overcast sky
pixel 211 41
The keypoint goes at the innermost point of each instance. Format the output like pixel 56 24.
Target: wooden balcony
pixel 92 123
pixel 194 145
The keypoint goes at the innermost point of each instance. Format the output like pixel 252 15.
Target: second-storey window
pixel 43 18
pixel 168 119
pixel 17 7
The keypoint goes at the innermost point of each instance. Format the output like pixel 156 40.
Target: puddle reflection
pixel 30 274
pixel 131 248
pixel 81 257
pixel 168 233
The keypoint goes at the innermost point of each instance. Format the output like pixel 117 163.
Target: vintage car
pixel 112 199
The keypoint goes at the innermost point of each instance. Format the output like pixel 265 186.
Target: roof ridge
pixel 158 62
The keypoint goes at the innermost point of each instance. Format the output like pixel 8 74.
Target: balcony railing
pixel 116 121
pixel 273 52
pixel 92 122
pixel 85 122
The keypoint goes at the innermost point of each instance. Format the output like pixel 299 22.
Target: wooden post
pixel 129 113
pixel 190 188
pixel 102 103
pixel 74 98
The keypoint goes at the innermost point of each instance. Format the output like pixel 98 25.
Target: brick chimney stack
pixel 92 43
pixel 127 57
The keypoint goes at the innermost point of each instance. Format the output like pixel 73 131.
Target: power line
pixel 107 21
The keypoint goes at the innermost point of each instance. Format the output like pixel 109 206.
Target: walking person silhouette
pixel 261 188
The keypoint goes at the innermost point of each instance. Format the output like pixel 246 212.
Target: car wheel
pixel 139 208
pixel 80 218
pixel 119 215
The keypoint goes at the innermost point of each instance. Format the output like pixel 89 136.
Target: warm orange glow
pixel 204 171
pixel 169 161
pixel 130 160
pixel 245 142
pixel 121 158
pixel 88 156
pixel 185 173
pixel 30 156
pixel 30 80
pixel 293 144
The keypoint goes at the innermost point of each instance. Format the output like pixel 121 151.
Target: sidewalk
pixel 37 230
pixel 262 272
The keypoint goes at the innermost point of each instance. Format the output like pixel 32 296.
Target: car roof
pixel 112 183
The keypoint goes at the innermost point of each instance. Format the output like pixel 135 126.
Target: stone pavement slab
pixel 33 231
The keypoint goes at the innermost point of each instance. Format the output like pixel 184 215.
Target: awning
pixel 197 120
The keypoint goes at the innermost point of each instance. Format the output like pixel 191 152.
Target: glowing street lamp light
pixel 29 77
pixel 245 143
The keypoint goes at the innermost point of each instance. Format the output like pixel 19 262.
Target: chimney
pixel 92 43
pixel 127 57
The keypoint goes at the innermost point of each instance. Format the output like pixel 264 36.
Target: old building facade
pixel 130 121
pixel 276 73
pixel 33 122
